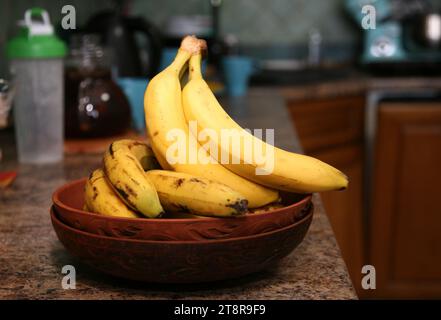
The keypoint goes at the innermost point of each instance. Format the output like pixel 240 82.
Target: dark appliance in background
pixel 406 39
pixel 134 42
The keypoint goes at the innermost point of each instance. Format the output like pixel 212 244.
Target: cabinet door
pixel 405 228
pixel 328 123
pixel 344 208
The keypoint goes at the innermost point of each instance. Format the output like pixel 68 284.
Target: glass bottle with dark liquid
pixel 94 104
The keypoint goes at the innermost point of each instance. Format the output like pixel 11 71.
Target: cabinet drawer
pixel 330 122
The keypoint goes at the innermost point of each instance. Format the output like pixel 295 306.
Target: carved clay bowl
pixel 68 201
pixel 181 261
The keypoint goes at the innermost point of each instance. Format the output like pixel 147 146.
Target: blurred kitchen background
pixel 257 24
pixel 365 101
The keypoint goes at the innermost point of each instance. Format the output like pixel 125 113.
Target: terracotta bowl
pixel 68 200
pixel 181 261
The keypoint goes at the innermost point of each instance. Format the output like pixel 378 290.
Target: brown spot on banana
pixel 179 182
pixel 135 181
pixel 95 192
pixel 111 152
pixel 197 180
pixel 125 196
pixel 131 192
pixel 130 157
pixel 240 206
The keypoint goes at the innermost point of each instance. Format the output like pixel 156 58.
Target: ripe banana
pixel 184 192
pixel 163 113
pixel 100 198
pixel 290 171
pixel 124 165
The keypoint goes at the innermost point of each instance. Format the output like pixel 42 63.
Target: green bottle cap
pixel 36 39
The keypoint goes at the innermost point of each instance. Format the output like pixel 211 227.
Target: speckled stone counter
pixel 31 257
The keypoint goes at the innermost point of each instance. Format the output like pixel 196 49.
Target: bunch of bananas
pixel 131 184
pixel 139 180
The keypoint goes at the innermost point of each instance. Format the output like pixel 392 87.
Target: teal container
pixel 134 89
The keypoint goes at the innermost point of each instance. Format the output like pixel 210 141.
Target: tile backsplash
pixel 263 21
pixel 254 22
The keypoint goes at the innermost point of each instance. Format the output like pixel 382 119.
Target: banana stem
pixel 195 66
pixel 179 62
pixel 190 45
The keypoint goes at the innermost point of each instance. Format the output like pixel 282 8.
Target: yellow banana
pixel 163 113
pixel 124 165
pixel 100 198
pixel 184 192
pixel 288 171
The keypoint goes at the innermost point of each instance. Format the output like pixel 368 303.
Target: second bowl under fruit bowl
pixel 182 261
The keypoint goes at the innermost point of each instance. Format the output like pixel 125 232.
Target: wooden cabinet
pixel 401 233
pixel 405 221
pixel 332 130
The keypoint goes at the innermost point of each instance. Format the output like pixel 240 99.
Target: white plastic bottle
pixel 36 64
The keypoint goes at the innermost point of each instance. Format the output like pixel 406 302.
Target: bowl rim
pixel 58 203
pixel 55 218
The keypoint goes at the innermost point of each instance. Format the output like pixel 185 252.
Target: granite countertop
pixel 31 257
